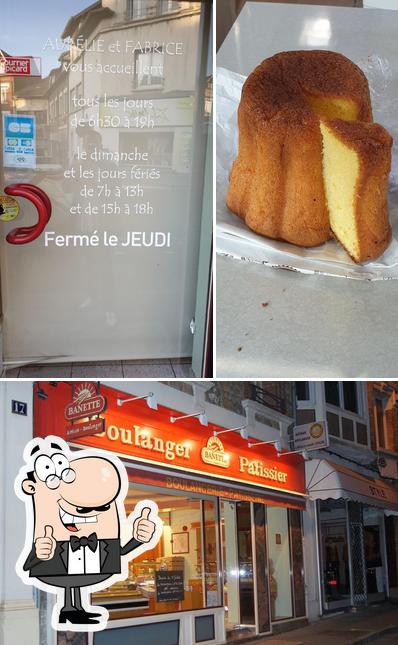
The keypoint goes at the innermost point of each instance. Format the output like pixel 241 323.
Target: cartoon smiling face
pixel 76 497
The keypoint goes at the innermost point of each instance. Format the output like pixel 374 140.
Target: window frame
pixel 151 86
pixel 152 490
pixel 384 401
pixel 282 619
pixel 360 398
pixel 356 417
pixel 311 401
pixel 160 10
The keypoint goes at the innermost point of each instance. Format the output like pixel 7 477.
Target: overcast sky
pixel 26 25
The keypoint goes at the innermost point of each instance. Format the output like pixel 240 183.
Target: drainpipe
pixel 350 569
pixel 318 556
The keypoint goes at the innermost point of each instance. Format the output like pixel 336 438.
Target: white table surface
pixel 313 326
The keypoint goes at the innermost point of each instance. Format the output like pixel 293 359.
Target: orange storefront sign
pixel 147 436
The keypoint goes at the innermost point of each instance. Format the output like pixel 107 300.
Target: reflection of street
pixel 143 182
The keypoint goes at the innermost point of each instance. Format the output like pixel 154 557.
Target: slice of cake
pixel 356 163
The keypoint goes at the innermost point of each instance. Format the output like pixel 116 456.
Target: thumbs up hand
pixel 45 546
pixel 143 527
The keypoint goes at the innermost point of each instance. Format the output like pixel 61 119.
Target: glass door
pixel 237 556
pixel 335 554
pixel 279 565
pixel 374 553
pixel 109 118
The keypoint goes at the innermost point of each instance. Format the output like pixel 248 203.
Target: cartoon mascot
pixel 74 518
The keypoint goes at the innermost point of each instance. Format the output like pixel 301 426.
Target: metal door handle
pixel 26 234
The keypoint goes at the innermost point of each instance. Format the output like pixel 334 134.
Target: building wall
pixel 278 395
pixel 18 613
pixel 389 391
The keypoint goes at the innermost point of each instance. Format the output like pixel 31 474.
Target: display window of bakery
pixel 181 572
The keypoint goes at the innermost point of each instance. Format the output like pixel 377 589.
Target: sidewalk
pixel 364 626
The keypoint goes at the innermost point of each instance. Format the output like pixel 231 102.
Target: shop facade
pixel 351 526
pixel 350 554
pixel 232 516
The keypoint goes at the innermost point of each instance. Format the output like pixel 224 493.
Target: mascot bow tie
pixel 91 541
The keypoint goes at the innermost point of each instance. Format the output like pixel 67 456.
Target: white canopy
pixel 327 480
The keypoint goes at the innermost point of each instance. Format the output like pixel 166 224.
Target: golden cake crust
pixel 276 182
pixel 281 82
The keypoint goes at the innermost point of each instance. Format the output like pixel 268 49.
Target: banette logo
pixel 87 402
pixel 214 454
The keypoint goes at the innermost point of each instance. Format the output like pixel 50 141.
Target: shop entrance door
pixel 335 558
pixel 238 580
pixel 375 555
pixel 113 127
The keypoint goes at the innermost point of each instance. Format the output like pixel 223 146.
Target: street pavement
pixel 377 624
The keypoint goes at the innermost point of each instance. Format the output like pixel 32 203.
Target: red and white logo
pixel 86 402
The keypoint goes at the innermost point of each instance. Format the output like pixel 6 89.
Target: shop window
pixel 210 554
pixel 166 633
pixel 333 424
pixel 204 629
pixel 181 549
pixel 348 429
pixel 72 638
pixel 279 563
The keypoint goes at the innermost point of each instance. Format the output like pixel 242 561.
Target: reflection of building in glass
pixel 6 89
pixel 30 98
pixel 128 73
pixel 130 76
pixel 121 146
pixel 58 110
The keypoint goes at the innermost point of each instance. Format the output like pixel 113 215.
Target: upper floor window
pixel 302 390
pixel 141 9
pixel 5 89
pixel 343 394
pixel 149 69
pixel 305 393
pixel 169 6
